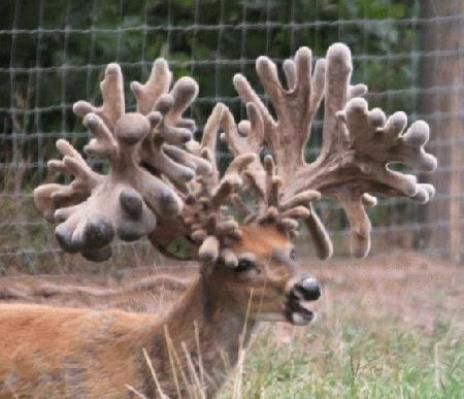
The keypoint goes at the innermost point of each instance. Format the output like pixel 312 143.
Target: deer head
pixel 267 283
pixel 164 184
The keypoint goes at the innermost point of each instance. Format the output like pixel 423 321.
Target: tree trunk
pixel 441 101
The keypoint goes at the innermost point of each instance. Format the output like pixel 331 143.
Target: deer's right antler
pixel 95 208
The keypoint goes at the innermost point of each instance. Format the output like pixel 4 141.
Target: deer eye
pixel 244 265
pixel 293 254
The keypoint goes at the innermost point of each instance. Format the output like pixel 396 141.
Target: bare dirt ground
pixel 408 286
pixel 411 287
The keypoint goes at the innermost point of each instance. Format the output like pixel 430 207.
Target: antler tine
pixel 290 73
pixel 174 128
pixel 112 88
pixel 222 188
pixel 253 128
pixel 247 138
pixel 210 132
pixel 157 84
pixel 184 92
pixel 242 151
pixel 285 214
pixel 273 182
pixel 322 242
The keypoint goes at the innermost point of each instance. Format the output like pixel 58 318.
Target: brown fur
pixel 142 294
pixel 80 353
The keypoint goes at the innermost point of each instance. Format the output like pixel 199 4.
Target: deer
pixel 239 224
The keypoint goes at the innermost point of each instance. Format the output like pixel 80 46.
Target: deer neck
pixel 202 335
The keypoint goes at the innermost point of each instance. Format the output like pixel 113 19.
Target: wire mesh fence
pixel 53 53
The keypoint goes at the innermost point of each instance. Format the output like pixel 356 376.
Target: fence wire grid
pixel 53 53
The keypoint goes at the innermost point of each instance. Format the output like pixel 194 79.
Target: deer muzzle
pixel 304 290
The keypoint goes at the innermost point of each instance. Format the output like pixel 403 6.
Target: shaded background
pixel 53 53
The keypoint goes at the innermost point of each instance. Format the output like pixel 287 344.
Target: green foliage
pixel 60 47
pixel 352 355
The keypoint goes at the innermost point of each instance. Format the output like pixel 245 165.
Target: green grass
pixel 347 355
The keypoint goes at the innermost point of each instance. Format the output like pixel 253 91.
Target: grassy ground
pixel 388 328
pixel 347 356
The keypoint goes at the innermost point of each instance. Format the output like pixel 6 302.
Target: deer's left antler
pixel 358 145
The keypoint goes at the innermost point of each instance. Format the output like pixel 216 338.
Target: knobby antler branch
pixel 127 202
pixel 208 216
pixel 286 136
pixel 358 145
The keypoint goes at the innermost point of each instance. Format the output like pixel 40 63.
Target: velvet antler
pixel 158 172
pixel 126 202
pixel 358 147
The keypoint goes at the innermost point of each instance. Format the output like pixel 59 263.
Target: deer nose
pixel 309 289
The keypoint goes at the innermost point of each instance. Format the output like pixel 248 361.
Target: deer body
pixel 60 353
pixel 82 353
